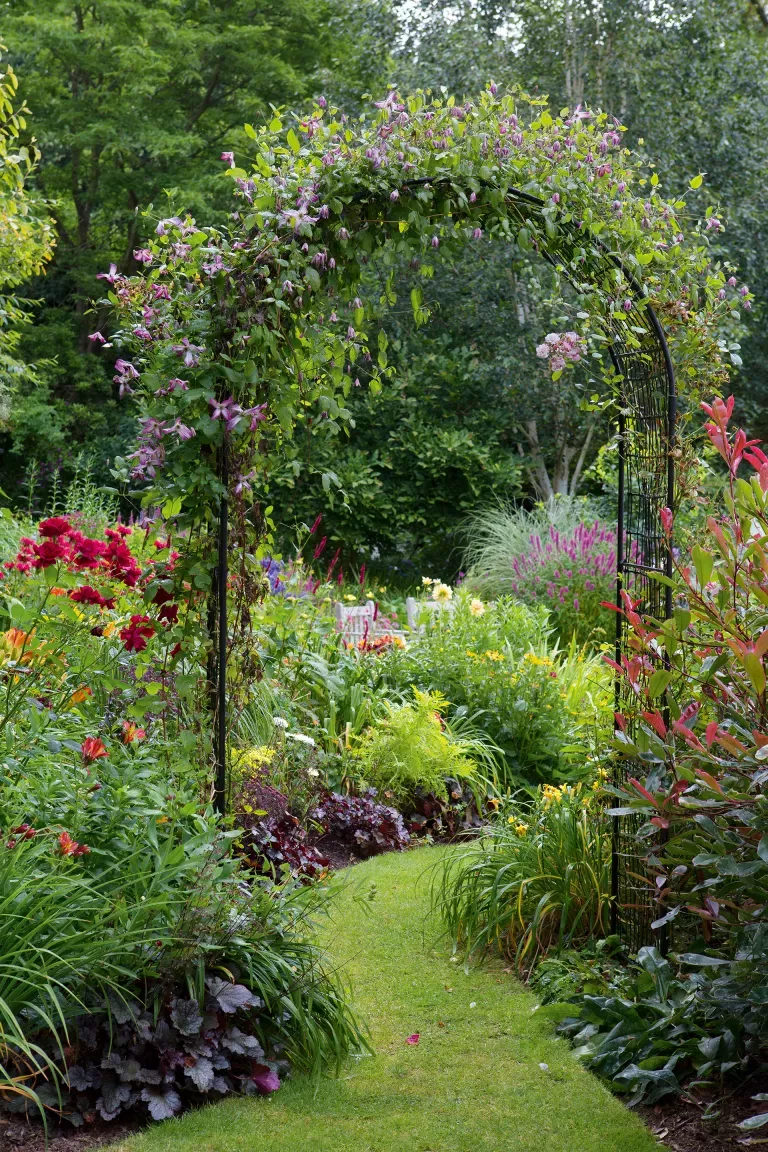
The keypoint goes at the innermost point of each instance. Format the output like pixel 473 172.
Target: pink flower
pixel 110 276
pixel 229 157
pixel 413 1039
pixel 142 255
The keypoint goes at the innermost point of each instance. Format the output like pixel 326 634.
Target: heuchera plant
pixel 697 739
pixel 362 823
pixel 185 1052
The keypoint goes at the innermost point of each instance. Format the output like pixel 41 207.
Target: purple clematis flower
pixel 229 157
pixel 189 352
pixel 111 276
pixel 142 255
pixel 227 410
pixel 256 414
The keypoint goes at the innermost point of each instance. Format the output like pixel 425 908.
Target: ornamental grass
pixel 538 878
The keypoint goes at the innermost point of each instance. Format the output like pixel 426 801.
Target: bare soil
pixel 679 1126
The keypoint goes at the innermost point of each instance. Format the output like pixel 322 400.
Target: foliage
pixel 700 769
pixel 553 556
pixel 495 666
pixel 365 825
pixel 537 879
pixel 410 750
pixel 117 879
pixel 178 1052
pixel 658 1025
pixel 26 235
pixel 130 99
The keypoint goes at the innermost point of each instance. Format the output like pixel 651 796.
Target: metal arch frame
pixel 646 483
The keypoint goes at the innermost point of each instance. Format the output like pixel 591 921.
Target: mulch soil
pixel 29 1136
pixel 678 1123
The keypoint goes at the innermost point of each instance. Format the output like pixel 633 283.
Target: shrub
pixel 362 823
pixel 410 750
pixel 694 741
pixel 497 670
pixel 538 878
pixel 555 557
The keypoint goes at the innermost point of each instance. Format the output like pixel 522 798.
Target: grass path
pixel 472 1084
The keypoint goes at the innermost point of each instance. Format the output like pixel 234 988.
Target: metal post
pixel 615 826
pixel 220 729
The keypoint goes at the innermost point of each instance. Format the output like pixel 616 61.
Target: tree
pixel 689 80
pixel 132 99
pixel 26 236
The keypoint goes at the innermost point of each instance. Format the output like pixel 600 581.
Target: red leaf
pixel 643 791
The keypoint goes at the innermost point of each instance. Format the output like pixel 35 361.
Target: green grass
pixel 472 1084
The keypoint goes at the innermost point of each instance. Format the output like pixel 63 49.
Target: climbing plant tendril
pixel 230 333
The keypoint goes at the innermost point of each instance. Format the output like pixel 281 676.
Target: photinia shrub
pixel 696 736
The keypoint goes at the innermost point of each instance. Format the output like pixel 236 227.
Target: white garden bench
pixel 358 621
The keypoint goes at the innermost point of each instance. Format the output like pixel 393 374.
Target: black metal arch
pixel 646 483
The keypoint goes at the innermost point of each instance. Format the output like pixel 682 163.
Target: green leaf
pixel 703 562
pixel 293 141
pixel 658 682
pixel 755 671
pixel 753 1122
pixel 697 181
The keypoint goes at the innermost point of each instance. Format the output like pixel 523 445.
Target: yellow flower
pixel 492 654
pixel 382 588
pixel 538 661
pixel 442 593
pixel 521 829
pixel 349 596
pixel 476 608
pixel 427 580
pixel 596 786
pixel 552 794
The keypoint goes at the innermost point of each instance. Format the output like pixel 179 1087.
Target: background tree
pixel 131 100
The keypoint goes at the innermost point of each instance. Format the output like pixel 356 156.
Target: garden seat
pixel 356 620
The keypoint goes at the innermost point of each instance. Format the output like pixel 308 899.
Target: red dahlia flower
pixel 88 595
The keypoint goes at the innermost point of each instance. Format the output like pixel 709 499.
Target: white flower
pixel 279 722
pixel 312 772
pixel 476 608
pixel 427 580
pixel 300 738
pixel 442 593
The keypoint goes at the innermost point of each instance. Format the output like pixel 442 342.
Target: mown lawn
pixel 473 1083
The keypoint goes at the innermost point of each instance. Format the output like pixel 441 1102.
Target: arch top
pixel 274 303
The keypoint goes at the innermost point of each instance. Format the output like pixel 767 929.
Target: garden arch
pixel 266 317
